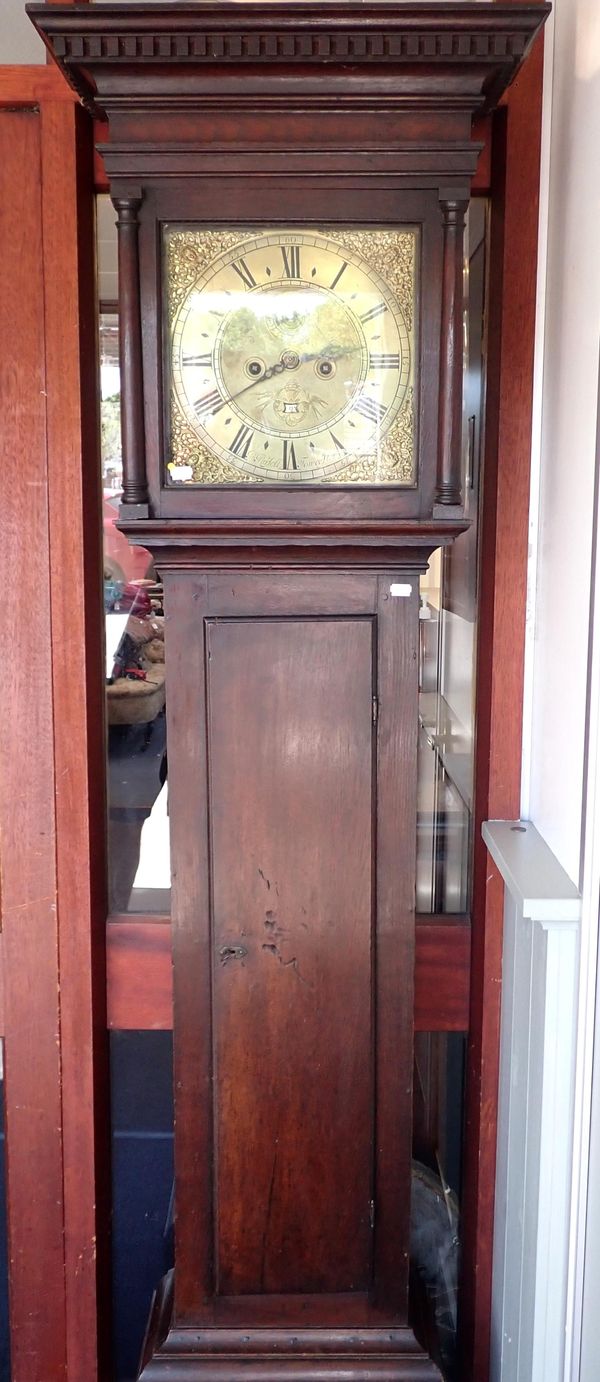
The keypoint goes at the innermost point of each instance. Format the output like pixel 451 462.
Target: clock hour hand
pixel 278 368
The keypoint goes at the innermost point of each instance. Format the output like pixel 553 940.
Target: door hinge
pixel 372 1213
pixel 375 709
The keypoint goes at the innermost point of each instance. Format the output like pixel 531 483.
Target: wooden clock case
pixel 292 624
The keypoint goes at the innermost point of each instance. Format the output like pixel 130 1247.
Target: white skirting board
pixel 535 1106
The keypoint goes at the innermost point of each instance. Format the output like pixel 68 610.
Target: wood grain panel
pixel 397 632
pixel 500 653
pixel 482 134
pixel 442 974
pixel 291 765
pixel 75 535
pixel 101 183
pixel 139 975
pixel 140 983
pixel 263 1042
pixel 235 593
pixel 33 1114
pixel 26 86
pixel 185 603
pixel 52 812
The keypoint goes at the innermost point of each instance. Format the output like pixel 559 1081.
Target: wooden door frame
pixel 53 968
pixel 52 807
pixel 502 595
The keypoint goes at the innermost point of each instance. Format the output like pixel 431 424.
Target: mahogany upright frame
pixel 503 549
pixel 51 739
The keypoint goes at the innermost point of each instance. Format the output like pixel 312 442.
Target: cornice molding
pixel 90 40
pixel 404 546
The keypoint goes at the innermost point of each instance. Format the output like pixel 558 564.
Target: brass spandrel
pixel 392 253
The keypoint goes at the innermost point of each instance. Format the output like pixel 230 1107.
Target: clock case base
pixel 277 1355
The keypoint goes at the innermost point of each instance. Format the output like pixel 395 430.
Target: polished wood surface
pixel 135 487
pixel 77 665
pixel 51 812
pixel 192 959
pixel 343 114
pixel 413 36
pixel 291 749
pixel 481 134
pixel 140 976
pixel 397 674
pixel 33 84
pixel 501 641
pixel 139 973
pixel 289 766
pixel 230 107
pixel 30 941
pixel 449 471
pixel 233 1355
pixel 282 670
pixel 442 974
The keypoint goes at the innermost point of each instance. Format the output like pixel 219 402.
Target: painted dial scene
pixel 291 356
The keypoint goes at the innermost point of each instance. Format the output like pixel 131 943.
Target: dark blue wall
pixel 142 1142
pixel 142 1133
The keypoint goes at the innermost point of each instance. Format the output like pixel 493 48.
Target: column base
pixel 278 1355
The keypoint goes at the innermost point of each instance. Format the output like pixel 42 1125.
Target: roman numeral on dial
pixel 210 404
pixel 244 273
pixel 241 442
pixel 367 407
pixel 338 275
pixel 289 456
pixel 202 361
pixel 384 361
pixel 374 312
pixel 291 260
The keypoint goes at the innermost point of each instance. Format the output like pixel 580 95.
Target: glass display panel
pixel 139 875
pixel 435 1200
pixel 447 660
pixel 448 639
pixel 138 827
pixel 291 355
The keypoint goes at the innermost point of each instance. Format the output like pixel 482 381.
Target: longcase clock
pixel 291 182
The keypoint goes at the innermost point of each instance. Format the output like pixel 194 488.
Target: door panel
pixel 292 768
pixel 291 800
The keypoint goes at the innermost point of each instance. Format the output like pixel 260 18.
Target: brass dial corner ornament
pixel 291 356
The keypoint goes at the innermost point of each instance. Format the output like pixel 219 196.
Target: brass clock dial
pixel 291 356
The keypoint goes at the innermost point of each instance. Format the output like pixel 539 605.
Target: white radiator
pixel 535 1110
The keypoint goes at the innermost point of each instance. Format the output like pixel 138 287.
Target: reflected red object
pixel 134 600
pixel 121 560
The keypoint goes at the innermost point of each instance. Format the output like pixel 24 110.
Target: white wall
pixel 19 41
pixel 588 1275
pixel 553 795
pixel 561 777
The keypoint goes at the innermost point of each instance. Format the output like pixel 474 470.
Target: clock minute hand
pixel 277 368
pixel 328 354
